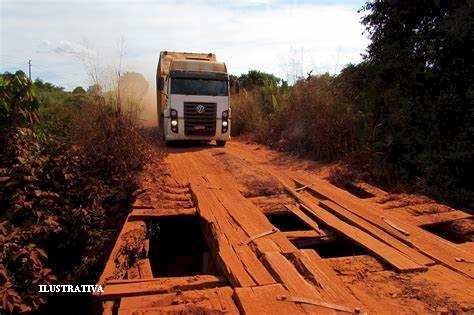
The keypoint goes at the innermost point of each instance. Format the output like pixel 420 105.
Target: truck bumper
pixel 172 136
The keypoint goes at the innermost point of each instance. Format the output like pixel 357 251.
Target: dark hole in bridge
pixel 287 222
pixel 178 247
pixel 458 232
pixel 336 247
pixel 332 245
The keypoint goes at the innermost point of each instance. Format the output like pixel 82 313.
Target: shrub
pixel 65 185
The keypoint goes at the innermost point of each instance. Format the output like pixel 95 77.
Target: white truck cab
pixel 193 97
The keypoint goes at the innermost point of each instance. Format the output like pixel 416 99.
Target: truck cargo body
pixel 193 97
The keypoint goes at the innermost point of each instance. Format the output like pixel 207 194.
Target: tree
pixel 255 78
pixel 79 90
pixel 420 60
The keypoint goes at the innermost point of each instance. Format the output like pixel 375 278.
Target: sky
pixel 284 37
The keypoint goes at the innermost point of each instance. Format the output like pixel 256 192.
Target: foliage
pixel 403 117
pixel 420 98
pixel 304 118
pixel 64 188
pixel 254 79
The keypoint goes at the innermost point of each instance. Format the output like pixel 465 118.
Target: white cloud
pixel 67 48
pixel 248 34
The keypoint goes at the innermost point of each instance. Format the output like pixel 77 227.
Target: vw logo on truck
pixel 200 109
pixel 193 97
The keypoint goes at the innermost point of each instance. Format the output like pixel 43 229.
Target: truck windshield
pixel 199 87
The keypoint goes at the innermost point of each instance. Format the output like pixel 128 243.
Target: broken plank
pixel 285 272
pixel 161 285
pixel 317 272
pixel 238 263
pixel 376 232
pixel 380 249
pixel 427 243
pixel 205 301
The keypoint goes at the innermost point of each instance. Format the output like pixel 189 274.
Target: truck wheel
pixel 220 143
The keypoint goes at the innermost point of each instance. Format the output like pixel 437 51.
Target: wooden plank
pixel 380 249
pixel 248 217
pixel 206 301
pixel 317 272
pixel 144 267
pixel 161 285
pixel 273 204
pixel 301 234
pixel 429 244
pixel 146 214
pixel 133 273
pixel 263 300
pixel 238 262
pixel 110 266
pixel 376 232
pixel 293 281
pixel 385 252
pixel 300 214
pixel 441 217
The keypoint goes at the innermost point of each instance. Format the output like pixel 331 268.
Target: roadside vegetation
pixel 402 118
pixel 68 162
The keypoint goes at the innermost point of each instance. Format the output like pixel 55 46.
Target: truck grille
pixel 197 123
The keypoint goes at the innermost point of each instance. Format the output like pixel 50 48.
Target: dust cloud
pixel 138 98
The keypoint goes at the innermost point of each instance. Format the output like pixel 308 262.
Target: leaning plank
pixel 161 285
pixel 206 301
pixel 376 232
pixel 300 214
pixel 144 214
pixel 385 252
pixel 429 244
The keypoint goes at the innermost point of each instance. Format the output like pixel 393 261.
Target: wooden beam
pixel 380 249
pixel 160 285
pixel 427 243
pixel 263 300
pixel 273 204
pixel 301 234
pixel 441 217
pixel 146 214
pixel 205 301
pixel 376 232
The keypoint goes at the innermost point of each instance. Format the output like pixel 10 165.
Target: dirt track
pixel 331 250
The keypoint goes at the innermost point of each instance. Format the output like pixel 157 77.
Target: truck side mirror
pixel 160 83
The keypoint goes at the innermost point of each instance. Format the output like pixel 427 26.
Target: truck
pixel 193 97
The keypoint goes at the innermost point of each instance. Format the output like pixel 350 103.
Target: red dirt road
pixel 280 237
